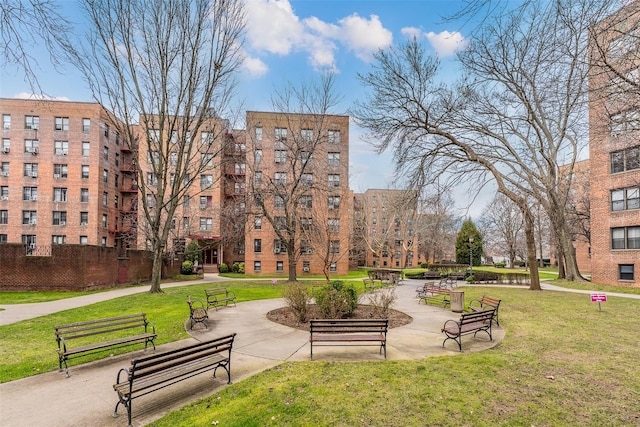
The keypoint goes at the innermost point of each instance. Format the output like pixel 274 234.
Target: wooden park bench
pixel 219 297
pixel 485 303
pixel 99 334
pixel 197 313
pixel 468 323
pixel 431 275
pixel 435 294
pixel 349 332
pixel 154 372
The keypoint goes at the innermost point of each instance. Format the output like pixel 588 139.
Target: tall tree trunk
pixel 293 262
pixel 156 272
pixel 529 232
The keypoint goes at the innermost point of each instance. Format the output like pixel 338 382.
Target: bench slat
pixel 344 331
pixel 100 345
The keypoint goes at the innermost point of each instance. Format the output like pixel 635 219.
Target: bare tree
pixel 517 116
pixel 502 225
pixel 27 23
pixel 165 69
pixel 437 227
pixel 293 198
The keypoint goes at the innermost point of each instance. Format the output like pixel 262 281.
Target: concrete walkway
pixel 87 397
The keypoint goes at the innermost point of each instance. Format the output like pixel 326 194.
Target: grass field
pixel 562 363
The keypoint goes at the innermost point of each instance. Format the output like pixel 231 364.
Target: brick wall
pixel 74 268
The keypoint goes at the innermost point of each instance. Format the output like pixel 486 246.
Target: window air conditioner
pixel 305 269
pixel 4 197
pixel 32 222
pixel 63 223
pixel 34 151
pixel 56 176
pixel 5 149
pixel 83 223
pixel 5 173
pixel 34 198
pixel 276 251
pixel 34 174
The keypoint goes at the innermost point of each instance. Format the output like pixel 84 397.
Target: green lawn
pixel 562 363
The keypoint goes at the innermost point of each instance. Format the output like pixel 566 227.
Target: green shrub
pixel 223 268
pixel 417 275
pixel 297 298
pixel 241 268
pixel 235 267
pixel 193 252
pixel 337 300
pixel 424 265
pixel 186 267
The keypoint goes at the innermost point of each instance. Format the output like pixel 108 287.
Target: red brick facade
pixel 615 151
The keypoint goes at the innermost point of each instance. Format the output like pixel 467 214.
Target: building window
pixel 59 194
pixel 334 202
pixel 105 176
pixel 257 177
pixel 279 265
pixel 105 198
pixel 306 202
pixel 626 198
pixel 257 223
pixel 86 148
pixel 31 146
pixel 4 217
pixel 278 202
pixel 333 267
pixel 206 202
pixel 84 218
pixel 84 240
pixel 206 159
pixel 29 217
pixel 60 171
pixel 305 247
pixel 206 224
pixel 625 160
pixel 58 240
pixel 206 138
pixel 333 225
pixel 306 135
pixel 257 266
pixel 30 170
pixel 306 223
pixel 6 121
pixel 206 181
pixel 85 171
pixel 30 241
pixel 86 125
pixel 104 239
pixel 625 238
pixel 258 156
pixel 61 148
pixel 6 145
pixel 306 158
pixel 281 134
pixel 257 245
pixel 240 168
pixel 105 221
pixel 333 159
pixel 334 181
pixel 280 178
pixel 105 153
pixel 334 246
pixel 280 223
pixel 31 122
pixel 307 179
pixel 61 123
pixel 279 247
pixel 185 222
pixel 333 136
pixel 280 156
pixel 3 238
pixel 4 192
pixel 626 272
pixel 30 193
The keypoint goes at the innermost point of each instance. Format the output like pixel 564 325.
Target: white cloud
pixel 254 66
pixel 446 43
pixel 274 28
pixel 364 37
pixel 411 33
pixel 42 97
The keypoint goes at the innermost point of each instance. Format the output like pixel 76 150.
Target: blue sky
pixel 292 40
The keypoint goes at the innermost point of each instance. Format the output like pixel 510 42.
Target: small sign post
pixel 599 298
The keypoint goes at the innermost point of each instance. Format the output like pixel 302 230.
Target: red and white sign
pixel 598 297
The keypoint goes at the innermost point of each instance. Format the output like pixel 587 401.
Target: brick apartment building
pixel 614 115
pixel 297 180
pixel 60 167
pixel 385 224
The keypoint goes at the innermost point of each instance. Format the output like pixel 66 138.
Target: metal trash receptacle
pixel 457 301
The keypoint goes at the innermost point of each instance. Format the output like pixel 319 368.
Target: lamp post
pixel 471 255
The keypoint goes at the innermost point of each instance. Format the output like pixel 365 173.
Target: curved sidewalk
pixel 87 396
